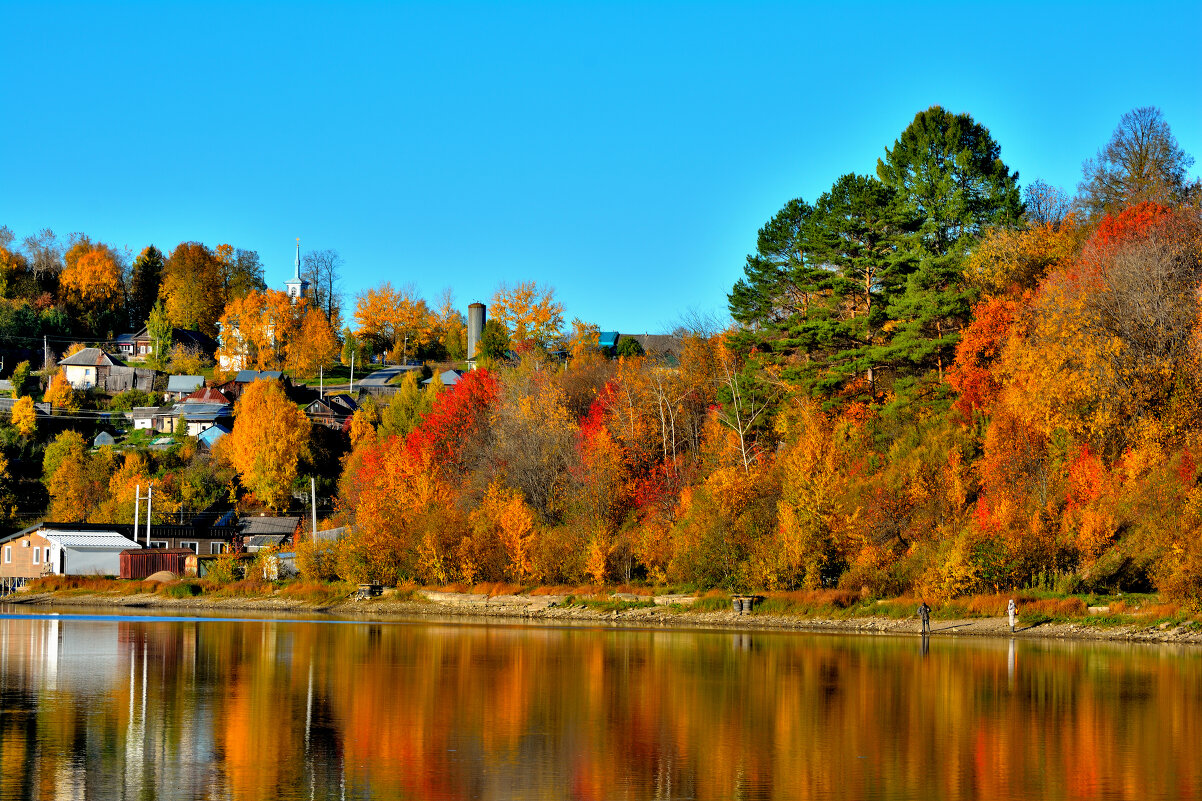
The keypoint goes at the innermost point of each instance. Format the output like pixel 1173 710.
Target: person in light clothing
pixel 1012 610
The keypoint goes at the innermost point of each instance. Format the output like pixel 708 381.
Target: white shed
pixel 86 553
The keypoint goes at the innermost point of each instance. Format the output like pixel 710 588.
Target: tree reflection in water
pixel 275 709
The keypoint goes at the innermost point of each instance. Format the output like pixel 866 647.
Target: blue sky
pixel 625 154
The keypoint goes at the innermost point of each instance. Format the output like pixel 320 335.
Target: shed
pixel 86 553
pixel 208 438
pixel 143 417
pixel 142 562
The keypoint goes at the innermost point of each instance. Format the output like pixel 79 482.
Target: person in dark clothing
pixel 924 614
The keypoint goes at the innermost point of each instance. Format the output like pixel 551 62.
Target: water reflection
pixel 284 710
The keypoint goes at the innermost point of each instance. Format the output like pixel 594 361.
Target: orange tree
pixel 270 436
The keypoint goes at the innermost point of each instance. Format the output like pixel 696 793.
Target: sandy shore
pixel 669 612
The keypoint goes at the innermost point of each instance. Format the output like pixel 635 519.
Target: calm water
pixel 145 708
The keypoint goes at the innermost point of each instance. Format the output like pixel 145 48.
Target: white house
pixel 89 367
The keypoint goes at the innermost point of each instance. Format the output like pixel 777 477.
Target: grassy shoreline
pixel 1135 619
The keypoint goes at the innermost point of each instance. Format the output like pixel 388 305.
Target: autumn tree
pixel 1142 162
pixel 256 330
pixel 75 479
pixel 405 408
pixel 92 283
pixel 269 438
pixel 193 287
pixel 60 393
pixel 528 312
pixel 24 417
pixel 533 439
pixel 397 321
pixel 313 345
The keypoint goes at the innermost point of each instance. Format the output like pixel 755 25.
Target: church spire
pixel 297 287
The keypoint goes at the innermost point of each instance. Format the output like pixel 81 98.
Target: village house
pixel 244 378
pixel 332 411
pixel 192 418
pixel 62 550
pixel 141 345
pixel 181 386
pixel 89 368
pixel 268 532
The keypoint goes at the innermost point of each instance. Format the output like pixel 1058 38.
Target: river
pixel 156 707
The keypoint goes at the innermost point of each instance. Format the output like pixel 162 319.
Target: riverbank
pixel 668 611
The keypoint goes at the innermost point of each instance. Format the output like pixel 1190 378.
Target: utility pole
pixel 137 510
pixel 313 490
pixel 45 352
pixel 149 501
pixel 321 381
pixel 352 371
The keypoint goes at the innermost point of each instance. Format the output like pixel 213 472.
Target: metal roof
pixel 213 433
pixel 269 525
pixel 184 383
pixel 264 540
pixel 607 339
pixel 91 357
pixel 247 376
pixel 449 378
pixel 92 540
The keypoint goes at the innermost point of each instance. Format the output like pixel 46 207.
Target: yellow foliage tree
pixel 529 312
pixel 396 320
pixel 314 345
pixel 270 435
pixel 257 328
pixel 24 416
pixel 61 393
pixel 91 274
pixel 504 515
pixel 193 287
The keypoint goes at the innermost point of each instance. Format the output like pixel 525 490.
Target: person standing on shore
pixel 924 614
pixel 1012 611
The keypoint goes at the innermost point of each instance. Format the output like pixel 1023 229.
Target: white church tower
pixel 297 287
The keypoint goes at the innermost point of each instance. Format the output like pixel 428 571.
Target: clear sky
pixel 625 154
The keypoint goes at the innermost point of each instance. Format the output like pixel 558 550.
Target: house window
pixel 158 543
pixel 46 554
pixel 218 547
pixel 36 552
pixel 8 554
pixel 193 546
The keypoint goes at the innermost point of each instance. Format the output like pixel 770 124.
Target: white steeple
pixel 297 287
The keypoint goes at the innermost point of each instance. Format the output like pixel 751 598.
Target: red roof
pixel 207 395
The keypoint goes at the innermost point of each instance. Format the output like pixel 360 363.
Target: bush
pixel 317 561
pixel 181 589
